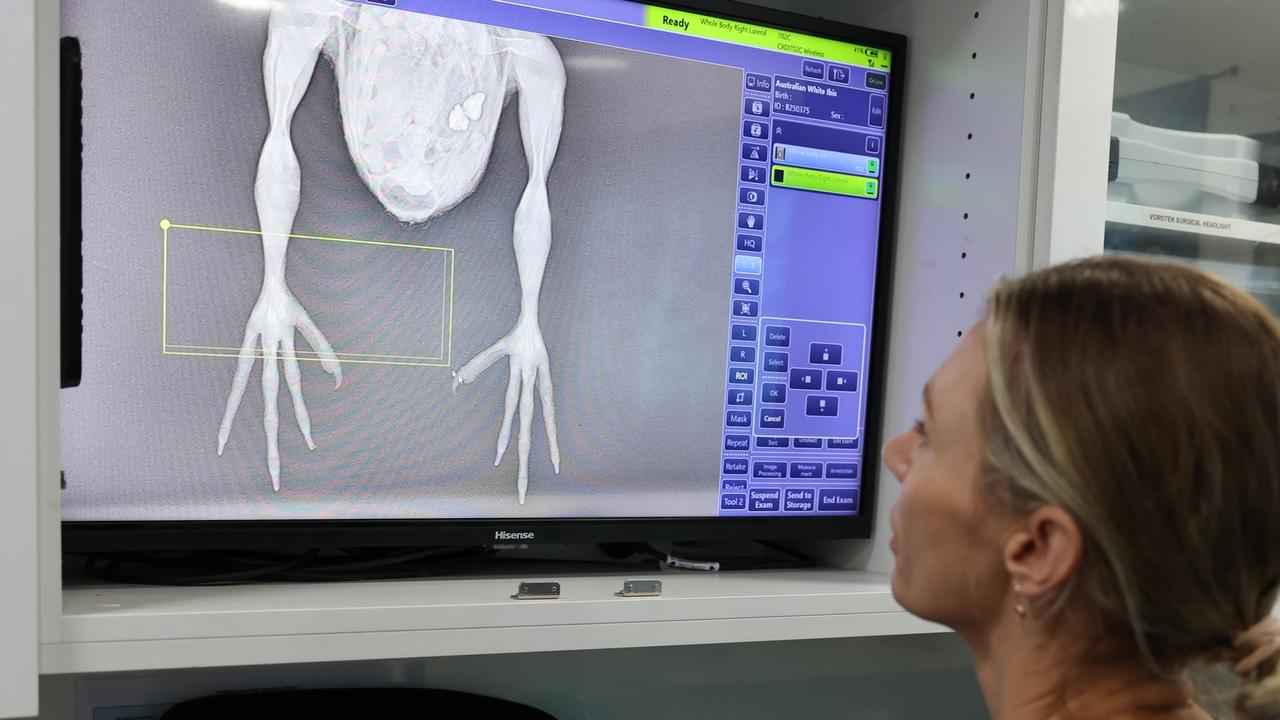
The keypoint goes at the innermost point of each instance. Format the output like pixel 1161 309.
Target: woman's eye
pixel 919 430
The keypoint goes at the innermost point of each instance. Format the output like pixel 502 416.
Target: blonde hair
pixel 1144 398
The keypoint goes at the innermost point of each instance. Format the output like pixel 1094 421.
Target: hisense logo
pixel 504 535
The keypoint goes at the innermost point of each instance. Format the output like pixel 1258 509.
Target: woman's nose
pixel 897 456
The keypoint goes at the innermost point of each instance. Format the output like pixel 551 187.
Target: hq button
pixel 744 333
pixel 754 106
pixel 775 362
pixel 750 243
pixel 752 174
pixel 824 354
pixel 813 69
pixel 742 376
pixel 821 406
pixel 771 419
pixel 806 379
pixel 773 393
pixel 746 286
pixel 842 381
pixel 777 336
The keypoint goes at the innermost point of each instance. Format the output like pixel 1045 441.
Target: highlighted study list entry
pixel 823 181
pixel 378 303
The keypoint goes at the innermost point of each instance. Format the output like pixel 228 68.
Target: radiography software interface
pixel 582 258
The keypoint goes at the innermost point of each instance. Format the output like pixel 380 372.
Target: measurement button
pixel 806 470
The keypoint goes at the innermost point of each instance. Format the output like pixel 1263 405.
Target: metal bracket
pixel 537 591
pixel 640 588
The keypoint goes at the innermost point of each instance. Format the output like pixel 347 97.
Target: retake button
pixel 752 151
pixel 745 308
pixel 824 353
pixel 773 393
pixel 755 129
pixel 775 469
pixel 842 443
pixel 822 405
pixel 737 442
pixel 806 470
pixel 806 379
pixel 751 196
pixel 803 443
pixel 746 286
pixel 775 362
pixel 772 419
pixel 842 381
pixel 773 442
pixel 752 174
pixel 733 501
pixel 738 396
pixel 734 466
pixel 797 500
pixel 742 354
pixel 742 376
pixel 777 336
pixel 764 499
pixel 737 418
pixel 834 499
pixel 755 106
pixel 744 333
pixel 734 484
pixel 750 243
pixel 842 471
pixel 813 69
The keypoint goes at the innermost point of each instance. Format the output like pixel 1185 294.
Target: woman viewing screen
pixel 1091 497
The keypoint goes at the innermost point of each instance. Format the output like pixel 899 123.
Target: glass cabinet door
pixel 1194 168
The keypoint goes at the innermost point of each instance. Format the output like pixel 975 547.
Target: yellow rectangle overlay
pixel 446 325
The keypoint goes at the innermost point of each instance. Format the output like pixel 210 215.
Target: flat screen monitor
pixel 441 272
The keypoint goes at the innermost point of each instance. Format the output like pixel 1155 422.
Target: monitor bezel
pixel 133 536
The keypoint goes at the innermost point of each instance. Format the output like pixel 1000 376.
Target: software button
pixel 824 353
pixel 733 501
pixel 806 470
pixel 841 499
pixel 842 381
pixel 806 379
pixel 737 418
pixel 773 393
pixel 737 442
pixel 775 362
pixel 734 466
pixel 769 469
pixel 808 443
pixel 777 336
pixel 764 499
pixel 842 443
pixel 745 333
pixel 772 419
pixel 773 442
pixel 842 471
pixel 797 500
pixel 813 69
pixel 822 406
pixel 742 376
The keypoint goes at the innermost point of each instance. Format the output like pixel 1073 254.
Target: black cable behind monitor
pixel 71 165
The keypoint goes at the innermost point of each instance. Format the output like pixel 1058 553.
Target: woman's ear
pixel 1043 551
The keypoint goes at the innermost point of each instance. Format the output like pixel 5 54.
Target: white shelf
pixel 124 628
pixel 1192 222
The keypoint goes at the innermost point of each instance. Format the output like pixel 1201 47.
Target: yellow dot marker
pixel 164 224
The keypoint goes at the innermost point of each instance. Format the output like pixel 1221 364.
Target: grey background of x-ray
pixel 634 301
